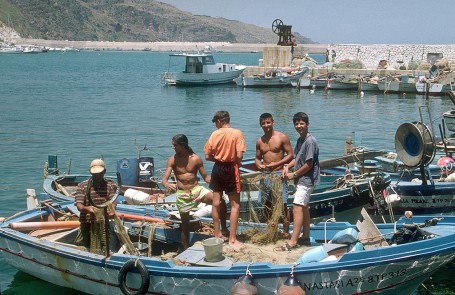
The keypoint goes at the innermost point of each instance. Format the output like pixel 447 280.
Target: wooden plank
pixel 369 234
pixel 324 164
pixel 452 96
pixel 195 255
pixel 352 158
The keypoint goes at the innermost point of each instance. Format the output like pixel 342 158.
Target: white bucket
pixel 135 197
pixel 213 248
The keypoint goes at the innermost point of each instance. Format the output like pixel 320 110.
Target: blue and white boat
pixel 200 69
pixel 343 258
pixel 335 194
pixel 422 187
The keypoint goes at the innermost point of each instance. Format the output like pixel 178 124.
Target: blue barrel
pixel 128 171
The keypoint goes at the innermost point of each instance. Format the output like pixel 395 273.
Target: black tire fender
pixel 145 278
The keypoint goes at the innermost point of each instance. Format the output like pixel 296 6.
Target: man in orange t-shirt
pixel 225 147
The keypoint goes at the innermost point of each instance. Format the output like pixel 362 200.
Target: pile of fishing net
pixel 270 216
pixel 349 64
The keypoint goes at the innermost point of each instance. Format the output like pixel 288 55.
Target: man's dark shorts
pixel 225 178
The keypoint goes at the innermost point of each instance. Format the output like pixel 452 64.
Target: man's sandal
pixel 287 247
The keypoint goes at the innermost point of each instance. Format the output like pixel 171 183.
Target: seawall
pixel 280 56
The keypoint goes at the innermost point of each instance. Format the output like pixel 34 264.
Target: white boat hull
pixel 270 81
pixel 52 256
pixel 449 120
pixel 205 79
pixel 433 88
pixel 92 274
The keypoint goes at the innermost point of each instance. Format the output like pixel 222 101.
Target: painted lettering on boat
pixel 352 282
pixel 423 201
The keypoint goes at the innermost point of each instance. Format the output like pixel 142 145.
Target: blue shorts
pixel 225 178
pixel 267 184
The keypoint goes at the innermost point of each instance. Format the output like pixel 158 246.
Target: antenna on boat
pixel 145 148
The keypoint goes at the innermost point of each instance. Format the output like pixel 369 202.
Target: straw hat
pixel 97 166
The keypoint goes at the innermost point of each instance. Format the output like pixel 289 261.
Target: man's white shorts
pixel 302 195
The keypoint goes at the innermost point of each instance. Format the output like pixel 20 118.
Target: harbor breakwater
pixel 397 55
pixel 369 54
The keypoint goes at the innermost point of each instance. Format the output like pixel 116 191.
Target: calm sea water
pixel 90 104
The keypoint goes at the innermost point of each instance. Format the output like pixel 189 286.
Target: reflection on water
pixel 25 284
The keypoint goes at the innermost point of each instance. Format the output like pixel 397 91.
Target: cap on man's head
pixel 97 166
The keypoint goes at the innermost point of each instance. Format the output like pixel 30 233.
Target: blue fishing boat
pixel 421 187
pixel 335 194
pixel 342 259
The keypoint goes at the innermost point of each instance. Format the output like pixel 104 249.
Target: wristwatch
pixel 295 175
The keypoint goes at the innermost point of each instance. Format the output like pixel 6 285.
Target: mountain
pixel 126 20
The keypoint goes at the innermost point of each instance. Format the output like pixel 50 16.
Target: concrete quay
pixel 398 58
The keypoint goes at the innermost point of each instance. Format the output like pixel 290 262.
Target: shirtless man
pixel 273 152
pixel 186 164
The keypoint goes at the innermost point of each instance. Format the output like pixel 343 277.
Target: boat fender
pixel 244 286
pixel 392 198
pixel 145 278
pixel 346 236
pixel 291 286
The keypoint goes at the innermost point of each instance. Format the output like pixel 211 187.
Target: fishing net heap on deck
pixel 258 211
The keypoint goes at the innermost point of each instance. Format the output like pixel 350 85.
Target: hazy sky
pixel 342 21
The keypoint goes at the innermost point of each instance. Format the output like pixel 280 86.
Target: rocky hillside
pixel 125 20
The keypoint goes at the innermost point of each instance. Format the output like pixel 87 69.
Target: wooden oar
pixel 62 189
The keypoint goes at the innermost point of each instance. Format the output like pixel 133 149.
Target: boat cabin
pixel 194 64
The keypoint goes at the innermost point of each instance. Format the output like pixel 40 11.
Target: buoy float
pixel 244 286
pixel 291 287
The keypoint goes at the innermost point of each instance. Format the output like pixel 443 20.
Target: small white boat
pixel 201 69
pixel 430 88
pixel 342 84
pixel 9 49
pixel 32 49
pixel 449 120
pixel 273 78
